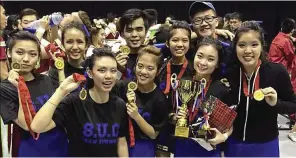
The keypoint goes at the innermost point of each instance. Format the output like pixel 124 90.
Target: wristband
pixel 52 103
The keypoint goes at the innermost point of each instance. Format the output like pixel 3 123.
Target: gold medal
pixel 132 86
pixel 82 94
pixel 15 65
pixel 125 49
pixel 59 64
pixel 258 95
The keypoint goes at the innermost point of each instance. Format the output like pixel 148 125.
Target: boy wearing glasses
pixel 204 21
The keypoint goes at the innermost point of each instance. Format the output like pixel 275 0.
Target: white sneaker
pixel 292 136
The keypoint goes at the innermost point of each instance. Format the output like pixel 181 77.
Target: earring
pixel 87 73
pixel 37 66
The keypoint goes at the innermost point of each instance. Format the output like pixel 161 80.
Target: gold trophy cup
pixel 186 90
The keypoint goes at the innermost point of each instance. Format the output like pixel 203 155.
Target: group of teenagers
pixel 114 121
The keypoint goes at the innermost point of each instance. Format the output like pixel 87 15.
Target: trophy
pixel 186 90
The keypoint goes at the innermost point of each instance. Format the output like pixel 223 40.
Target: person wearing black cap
pixel 204 21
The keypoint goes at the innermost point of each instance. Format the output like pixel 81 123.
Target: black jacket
pixel 260 118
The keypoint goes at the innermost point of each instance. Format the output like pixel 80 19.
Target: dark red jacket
pixel 282 51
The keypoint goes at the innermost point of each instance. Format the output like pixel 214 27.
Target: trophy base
pixel 182 131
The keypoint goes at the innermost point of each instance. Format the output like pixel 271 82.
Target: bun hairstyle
pixel 89 63
pixel 150 49
pixel 98 25
pixel 85 19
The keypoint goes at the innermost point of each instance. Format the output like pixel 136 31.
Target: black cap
pixel 197 6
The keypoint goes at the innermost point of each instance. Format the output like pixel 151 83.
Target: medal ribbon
pixel 52 48
pixel 77 78
pixel 169 72
pixel 256 80
pixel 26 103
pixel 131 132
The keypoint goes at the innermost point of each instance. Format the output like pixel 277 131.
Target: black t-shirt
pixel 68 69
pixel 93 129
pixel 41 89
pixel 188 74
pixel 131 61
pixel 153 107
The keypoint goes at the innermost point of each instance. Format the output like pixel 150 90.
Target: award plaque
pixel 186 92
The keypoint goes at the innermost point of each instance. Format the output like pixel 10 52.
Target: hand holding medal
pixel 258 95
pixel 122 56
pixel 23 95
pixel 132 110
pixel 269 94
pixel 13 75
pixel 57 55
pixel 125 50
pixel 81 78
pixel 71 83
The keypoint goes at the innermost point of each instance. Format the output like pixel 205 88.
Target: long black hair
pixel 246 27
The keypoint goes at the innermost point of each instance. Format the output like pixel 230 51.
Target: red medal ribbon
pixel 192 115
pixel 26 102
pixel 52 48
pixel 256 80
pixel 168 75
pixel 78 77
pixel 131 132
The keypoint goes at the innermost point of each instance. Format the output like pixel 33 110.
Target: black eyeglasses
pixel 207 19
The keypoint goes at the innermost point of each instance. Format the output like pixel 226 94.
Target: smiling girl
pixel 24 49
pixel 207 65
pixel 150 110
pixel 260 90
pixel 96 126
pixel 75 42
pixel 178 43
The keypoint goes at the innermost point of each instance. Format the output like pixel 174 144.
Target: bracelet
pixel 52 103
